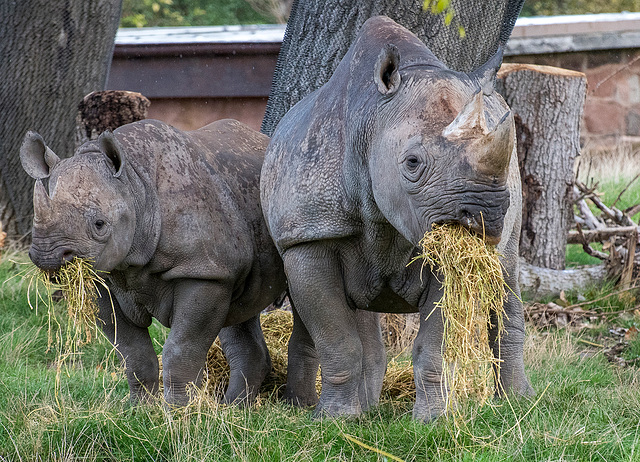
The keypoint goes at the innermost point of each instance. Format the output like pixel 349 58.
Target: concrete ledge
pixel 563 34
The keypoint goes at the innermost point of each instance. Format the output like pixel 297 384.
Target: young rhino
pixel 174 218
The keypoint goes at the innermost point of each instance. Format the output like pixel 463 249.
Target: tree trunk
pixel 547 103
pixel 319 33
pixel 51 55
pixel 108 110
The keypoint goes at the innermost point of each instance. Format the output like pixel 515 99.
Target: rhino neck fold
pixel 146 205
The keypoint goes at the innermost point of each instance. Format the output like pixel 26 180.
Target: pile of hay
pixel 276 327
pixel 474 289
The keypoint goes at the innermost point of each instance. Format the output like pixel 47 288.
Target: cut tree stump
pixel 547 103
pixel 108 110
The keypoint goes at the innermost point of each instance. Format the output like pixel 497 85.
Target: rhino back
pixel 207 204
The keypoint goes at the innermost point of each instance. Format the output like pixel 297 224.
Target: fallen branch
pixel 600 235
pixel 541 282
pixel 612 213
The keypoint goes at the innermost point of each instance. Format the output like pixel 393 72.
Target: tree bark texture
pixel 108 110
pixel 319 33
pixel 52 53
pixel 547 103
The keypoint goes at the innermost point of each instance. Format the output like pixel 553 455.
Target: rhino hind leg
pixel 374 358
pixel 302 366
pixel 317 289
pixel 246 351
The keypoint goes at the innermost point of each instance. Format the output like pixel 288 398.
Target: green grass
pixel 585 409
pixel 575 256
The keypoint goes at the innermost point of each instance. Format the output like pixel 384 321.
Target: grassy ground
pixel 585 409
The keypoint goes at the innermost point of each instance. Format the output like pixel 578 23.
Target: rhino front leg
pixel 316 287
pixel 509 348
pixel 302 366
pixel 199 311
pixel 134 347
pixel 431 392
pixel 374 358
pixel 246 351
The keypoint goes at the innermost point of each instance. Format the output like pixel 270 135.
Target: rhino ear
pixel 36 157
pixel 386 73
pixel 111 148
pixel 486 74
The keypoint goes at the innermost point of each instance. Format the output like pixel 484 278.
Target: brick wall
pixel 612 106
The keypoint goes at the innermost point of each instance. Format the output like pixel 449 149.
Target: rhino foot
pixel 309 399
pixel 328 409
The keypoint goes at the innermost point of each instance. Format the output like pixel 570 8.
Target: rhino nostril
pixel 468 219
pixel 68 255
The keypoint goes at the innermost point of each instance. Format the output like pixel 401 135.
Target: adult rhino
pixel 175 219
pixel 354 175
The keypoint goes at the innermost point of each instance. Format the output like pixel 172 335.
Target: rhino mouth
pixel 486 228
pixel 477 229
pixel 52 260
pixel 490 232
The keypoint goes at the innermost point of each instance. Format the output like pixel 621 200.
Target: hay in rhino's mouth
pixel 473 294
pixel 76 282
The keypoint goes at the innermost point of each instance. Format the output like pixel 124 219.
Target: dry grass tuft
pixel 615 162
pixel 3 236
pixel 474 288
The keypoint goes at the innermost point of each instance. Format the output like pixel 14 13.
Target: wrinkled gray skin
pixel 355 174
pixel 175 219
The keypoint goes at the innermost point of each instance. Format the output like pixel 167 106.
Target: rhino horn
pixel 36 157
pixel 470 122
pixel 41 204
pixel 490 154
pixel 485 75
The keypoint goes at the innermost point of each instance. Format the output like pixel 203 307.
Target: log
pixel 539 282
pixel 547 103
pixel 600 235
pixel 108 110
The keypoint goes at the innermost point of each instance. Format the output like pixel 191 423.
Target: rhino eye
pixel 412 163
pixel 413 166
pixel 99 224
